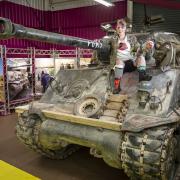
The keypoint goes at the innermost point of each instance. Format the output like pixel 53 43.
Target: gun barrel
pixel 12 30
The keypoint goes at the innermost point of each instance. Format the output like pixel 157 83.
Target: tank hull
pixel 150 152
pixel 103 143
pixel 137 130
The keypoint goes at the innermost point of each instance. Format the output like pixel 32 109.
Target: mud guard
pixel 138 122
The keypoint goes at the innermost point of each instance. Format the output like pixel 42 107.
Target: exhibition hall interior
pixel 89 89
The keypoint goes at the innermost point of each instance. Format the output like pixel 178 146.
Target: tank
pixel 17 82
pixel 136 130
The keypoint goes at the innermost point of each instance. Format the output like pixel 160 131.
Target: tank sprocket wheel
pixel 27 131
pixel 151 154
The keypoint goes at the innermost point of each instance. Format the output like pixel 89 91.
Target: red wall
pixel 80 22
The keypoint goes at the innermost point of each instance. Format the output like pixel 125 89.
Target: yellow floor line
pixel 9 172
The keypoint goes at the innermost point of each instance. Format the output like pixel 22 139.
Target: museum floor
pixel 80 166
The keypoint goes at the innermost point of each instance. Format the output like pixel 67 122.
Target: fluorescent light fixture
pixel 105 3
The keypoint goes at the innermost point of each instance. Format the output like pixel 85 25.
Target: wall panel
pixel 26 16
pixel 171 16
pixel 80 22
pixel 37 4
pixel 86 19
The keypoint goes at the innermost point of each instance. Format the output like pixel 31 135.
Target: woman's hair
pixel 121 22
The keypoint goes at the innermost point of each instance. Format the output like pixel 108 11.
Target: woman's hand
pixel 149 45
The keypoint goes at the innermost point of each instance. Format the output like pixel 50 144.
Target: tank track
pixel 27 129
pixel 146 155
pixel 177 175
pixel 150 154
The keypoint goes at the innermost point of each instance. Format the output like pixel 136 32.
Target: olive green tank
pixel 136 130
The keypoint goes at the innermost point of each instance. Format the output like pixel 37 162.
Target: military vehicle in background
pixel 17 82
pixel 136 130
pixel 17 79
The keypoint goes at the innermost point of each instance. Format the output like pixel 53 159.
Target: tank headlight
pixel 143 98
pixel 154 102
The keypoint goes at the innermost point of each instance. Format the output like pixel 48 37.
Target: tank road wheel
pixel 27 130
pixel 88 106
pixel 150 154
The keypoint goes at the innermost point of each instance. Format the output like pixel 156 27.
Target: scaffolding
pixel 31 53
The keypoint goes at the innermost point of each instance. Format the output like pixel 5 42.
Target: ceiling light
pixel 105 3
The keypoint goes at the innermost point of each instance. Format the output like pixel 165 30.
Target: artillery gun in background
pixel 137 130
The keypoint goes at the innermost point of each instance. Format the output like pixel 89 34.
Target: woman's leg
pixel 118 73
pixel 140 62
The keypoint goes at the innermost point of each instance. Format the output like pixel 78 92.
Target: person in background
pixel 38 77
pixel 125 59
pixel 72 66
pixel 62 66
pixel 30 79
pixel 68 66
pixel 45 80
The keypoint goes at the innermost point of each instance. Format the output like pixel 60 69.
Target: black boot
pixel 143 76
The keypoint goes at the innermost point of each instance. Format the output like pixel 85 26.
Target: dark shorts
pixel 129 66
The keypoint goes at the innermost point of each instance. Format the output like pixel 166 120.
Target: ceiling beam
pixel 69 4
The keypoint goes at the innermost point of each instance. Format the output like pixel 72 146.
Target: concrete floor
pixel 79 166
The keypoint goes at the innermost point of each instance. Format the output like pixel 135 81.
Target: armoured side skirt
pixel 106 143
